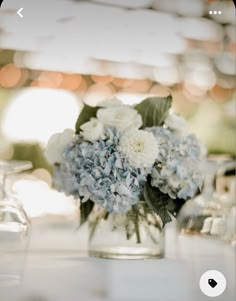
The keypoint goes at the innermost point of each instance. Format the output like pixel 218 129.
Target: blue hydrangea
pixel 177 171
pixel 97 171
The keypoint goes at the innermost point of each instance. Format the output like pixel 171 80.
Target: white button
pixel 212 283
pixel 19 12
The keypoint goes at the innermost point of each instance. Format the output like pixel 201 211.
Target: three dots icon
pixel 215 12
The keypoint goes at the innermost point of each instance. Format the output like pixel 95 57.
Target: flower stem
pixel 93 227
pixel 136 225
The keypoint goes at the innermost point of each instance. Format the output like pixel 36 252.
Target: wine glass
pixel 14 228
pixel 206 214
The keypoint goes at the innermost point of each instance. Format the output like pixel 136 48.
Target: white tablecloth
pixel 69 275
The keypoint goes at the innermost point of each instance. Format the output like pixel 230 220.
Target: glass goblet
pixel 205 214
pixel 14 228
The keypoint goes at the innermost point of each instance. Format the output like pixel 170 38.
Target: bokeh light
pixel 34 114
pixel 10 76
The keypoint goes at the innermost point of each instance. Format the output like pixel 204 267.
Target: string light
pixel 10 76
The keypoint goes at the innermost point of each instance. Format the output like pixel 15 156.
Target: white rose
pixel 92 130
pixel 57 144
pixel 121 117
pixel 176 123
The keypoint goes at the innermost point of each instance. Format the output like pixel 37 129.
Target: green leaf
pixel 31 152
pixel 154 110
pixel 175 205
pixel 85 115
pixel 157 201
pixel 85 209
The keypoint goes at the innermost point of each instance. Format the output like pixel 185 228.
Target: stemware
pixel 14 227
pixel 206 214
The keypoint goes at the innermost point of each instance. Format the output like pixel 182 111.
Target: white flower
pixel 121 117
pixel 92 130
pixel 139 147
pixel 57 144
pixel 114 102
pixel 176 123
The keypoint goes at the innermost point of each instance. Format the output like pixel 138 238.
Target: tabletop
pixel 68 274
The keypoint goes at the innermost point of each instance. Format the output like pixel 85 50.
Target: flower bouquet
pixel 132 168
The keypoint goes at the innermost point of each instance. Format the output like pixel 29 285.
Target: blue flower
pixel 177 171
pixel 96 171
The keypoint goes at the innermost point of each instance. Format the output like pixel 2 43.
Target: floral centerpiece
pixel 132 168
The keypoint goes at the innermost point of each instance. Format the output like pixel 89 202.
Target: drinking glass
pixel 14 228
pixel 206 214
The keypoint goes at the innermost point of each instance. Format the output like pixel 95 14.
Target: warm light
pixel 34 84
pixel 24 77
pixel 220 93
pixel 34 114
pixel 98 93
pixel 139 86
pixel 122 82
pixel 82 87
pixel 10 76
pixel 193 92
pixel 160 91
pixel 48 79
pixel 71 81
pixel 106 79
pixel 39 199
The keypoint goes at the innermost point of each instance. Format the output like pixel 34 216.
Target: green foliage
pixel 174 206
pixel 157 201
pixel 85 209
pixel 33 153
pixel 154 110
pixel 4 98
pixel 85 115
pixel 161 203
pixel 6 57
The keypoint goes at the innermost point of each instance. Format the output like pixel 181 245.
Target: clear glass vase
pixel 134 235
pixel 14 228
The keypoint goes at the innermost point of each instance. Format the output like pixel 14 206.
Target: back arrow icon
pixel 19 12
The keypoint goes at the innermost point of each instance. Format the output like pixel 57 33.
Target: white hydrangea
pixel 120 117
pixel 92 130
pixel 139 147
pixel 57 144
pixel 176 123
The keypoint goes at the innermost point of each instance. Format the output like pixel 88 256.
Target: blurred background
pixel 65 53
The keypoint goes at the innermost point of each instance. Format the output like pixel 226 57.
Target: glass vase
pixel 134 235
pixel 14 228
